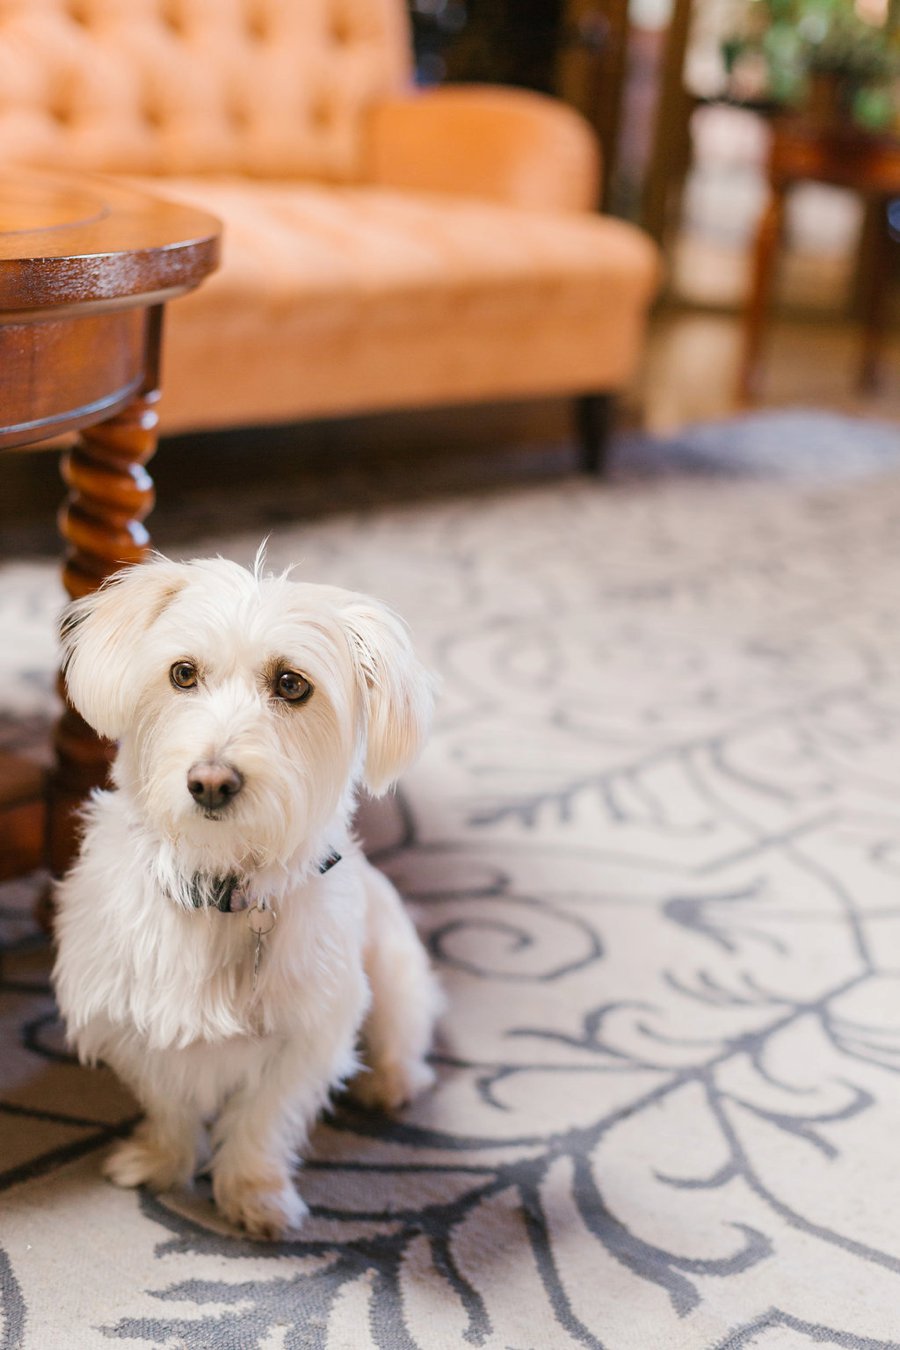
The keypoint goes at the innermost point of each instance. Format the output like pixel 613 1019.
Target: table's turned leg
pixel 765 252
pixel 110 493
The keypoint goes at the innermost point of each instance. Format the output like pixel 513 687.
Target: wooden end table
pixel 86 267
pixel 843 157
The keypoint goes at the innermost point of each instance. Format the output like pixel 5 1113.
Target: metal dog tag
pixel 261 920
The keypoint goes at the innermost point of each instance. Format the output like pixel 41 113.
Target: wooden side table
pixel 86 267
pixel 844 157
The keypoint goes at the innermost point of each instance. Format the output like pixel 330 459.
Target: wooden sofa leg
pixel 595 417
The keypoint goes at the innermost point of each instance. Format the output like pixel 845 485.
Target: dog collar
pixel 214 892
pixel 226 893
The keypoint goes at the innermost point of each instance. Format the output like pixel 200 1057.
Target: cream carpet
pixel 655 848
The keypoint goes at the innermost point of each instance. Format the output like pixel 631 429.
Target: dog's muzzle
pixel 213 785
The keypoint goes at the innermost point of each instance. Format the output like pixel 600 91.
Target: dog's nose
pixel 213 785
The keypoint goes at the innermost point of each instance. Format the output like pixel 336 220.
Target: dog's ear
pixel 397 692
pixel 100 637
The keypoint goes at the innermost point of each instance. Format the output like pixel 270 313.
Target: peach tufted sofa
pixel 383 247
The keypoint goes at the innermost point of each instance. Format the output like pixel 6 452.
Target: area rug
pixel 654 847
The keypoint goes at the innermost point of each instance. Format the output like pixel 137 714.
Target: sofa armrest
pixel 499 144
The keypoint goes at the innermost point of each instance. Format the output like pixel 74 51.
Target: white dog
pixel 223 943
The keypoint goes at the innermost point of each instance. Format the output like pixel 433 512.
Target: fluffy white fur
pixel 163 991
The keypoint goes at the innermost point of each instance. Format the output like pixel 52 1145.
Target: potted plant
pixel 819 55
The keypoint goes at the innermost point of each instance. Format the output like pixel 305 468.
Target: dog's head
pixel 248 707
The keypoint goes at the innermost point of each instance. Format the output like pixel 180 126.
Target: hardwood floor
pixel 692 357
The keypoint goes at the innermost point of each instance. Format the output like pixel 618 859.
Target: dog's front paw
pixel 142 1161
pixel 266 1210
pixel 390 1085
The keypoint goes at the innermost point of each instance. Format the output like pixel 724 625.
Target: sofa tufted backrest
pixel 274 88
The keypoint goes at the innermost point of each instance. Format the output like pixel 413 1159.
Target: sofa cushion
pixel 356 298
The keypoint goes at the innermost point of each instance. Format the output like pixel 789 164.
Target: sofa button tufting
pixel 341 31
pixel 257 27
pixel 172 18
pixel 237 116
pixel 322 112
pixel 153 116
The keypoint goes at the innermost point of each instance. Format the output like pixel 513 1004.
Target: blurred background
pixel 683 94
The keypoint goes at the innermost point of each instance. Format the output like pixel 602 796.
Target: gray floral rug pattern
pixel 654 846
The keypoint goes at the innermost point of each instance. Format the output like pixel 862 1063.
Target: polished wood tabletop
pixel 86 268
pixel 68 243
pixel 73 252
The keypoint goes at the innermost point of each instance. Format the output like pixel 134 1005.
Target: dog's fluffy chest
pixel 175 977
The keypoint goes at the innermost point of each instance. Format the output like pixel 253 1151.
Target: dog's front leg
pixel 161 1152
pixel 257 1139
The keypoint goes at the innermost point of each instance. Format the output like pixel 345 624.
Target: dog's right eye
pixel 183 675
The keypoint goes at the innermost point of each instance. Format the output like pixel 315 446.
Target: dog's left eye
pixel 183 675
pixel 292 687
